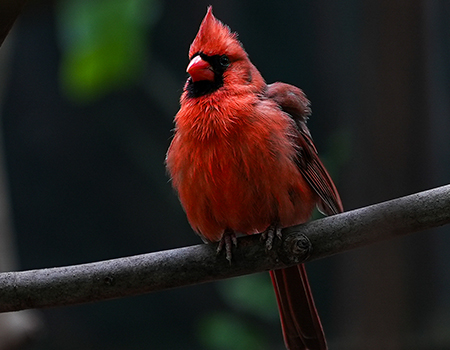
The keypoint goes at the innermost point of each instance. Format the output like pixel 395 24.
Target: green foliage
pixel 223 331
pixel 249 298
pixel 103 44
pixel 252 294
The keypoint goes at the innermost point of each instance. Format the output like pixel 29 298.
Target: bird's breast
pixel 241 176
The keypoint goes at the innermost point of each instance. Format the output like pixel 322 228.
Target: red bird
pixel 242 161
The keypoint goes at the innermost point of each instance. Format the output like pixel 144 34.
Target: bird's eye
pixel 224 61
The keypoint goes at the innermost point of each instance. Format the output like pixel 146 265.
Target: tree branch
pixel 198 264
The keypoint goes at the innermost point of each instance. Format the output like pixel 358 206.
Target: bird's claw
pixel 268 235
pixel 228 240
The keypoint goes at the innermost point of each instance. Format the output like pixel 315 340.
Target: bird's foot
pixel 227 241
pixel 268 235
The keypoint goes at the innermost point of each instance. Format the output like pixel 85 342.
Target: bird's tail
pixel 302 329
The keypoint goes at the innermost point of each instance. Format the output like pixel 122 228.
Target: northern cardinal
pixel 242 161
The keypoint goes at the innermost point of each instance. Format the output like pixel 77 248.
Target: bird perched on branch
pixel 242 161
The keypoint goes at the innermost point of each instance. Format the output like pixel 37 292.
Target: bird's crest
pixel 215 38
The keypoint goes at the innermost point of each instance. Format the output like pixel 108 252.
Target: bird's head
pixel 218 60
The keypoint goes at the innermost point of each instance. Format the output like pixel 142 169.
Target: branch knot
pixel 297 248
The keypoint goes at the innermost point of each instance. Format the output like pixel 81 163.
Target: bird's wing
pixel 293 101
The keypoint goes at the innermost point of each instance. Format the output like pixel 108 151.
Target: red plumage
pixel 242 160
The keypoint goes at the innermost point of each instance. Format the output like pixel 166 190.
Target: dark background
pixel 87 179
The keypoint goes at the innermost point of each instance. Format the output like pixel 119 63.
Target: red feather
pixel 242 159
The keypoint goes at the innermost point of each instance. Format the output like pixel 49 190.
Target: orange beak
pixel 199 70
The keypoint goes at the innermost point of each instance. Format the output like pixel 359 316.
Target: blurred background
pixel 88 92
